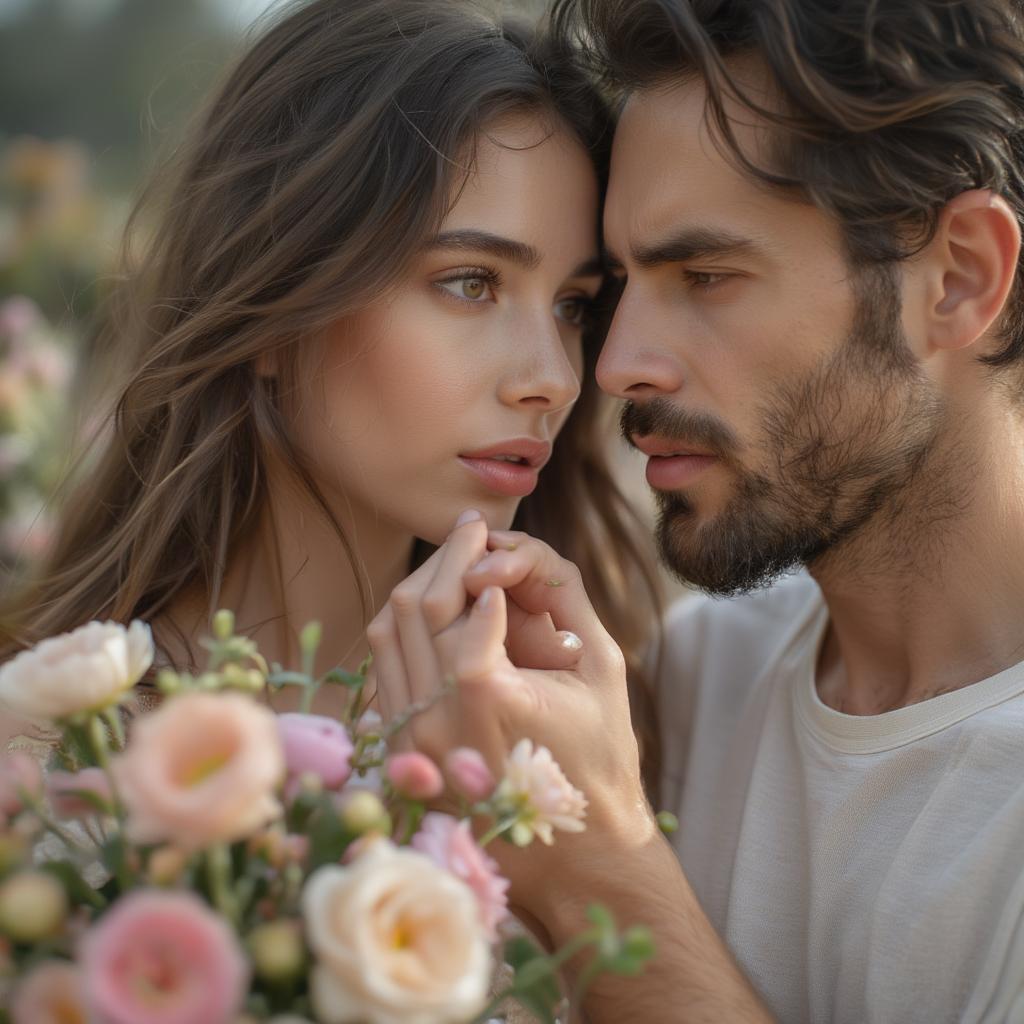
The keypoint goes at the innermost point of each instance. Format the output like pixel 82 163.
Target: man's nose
pixel 638 359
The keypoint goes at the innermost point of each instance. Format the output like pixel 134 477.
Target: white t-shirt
pixel 861 869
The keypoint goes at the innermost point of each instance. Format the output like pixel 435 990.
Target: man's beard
pixel 845 445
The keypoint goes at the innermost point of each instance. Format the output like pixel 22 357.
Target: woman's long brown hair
pixel 329 153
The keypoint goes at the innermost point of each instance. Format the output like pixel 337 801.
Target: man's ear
pixel 970 266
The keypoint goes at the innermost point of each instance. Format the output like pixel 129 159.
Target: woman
pixel 366 302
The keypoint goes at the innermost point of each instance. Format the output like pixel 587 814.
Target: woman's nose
pixel 541 374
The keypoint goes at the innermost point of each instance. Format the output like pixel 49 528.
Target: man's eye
pixel 703 279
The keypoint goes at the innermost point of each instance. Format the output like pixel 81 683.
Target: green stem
pixel 496 830
pixel 218 878
pixel 112 716
pixel 101 750
pixel 583 982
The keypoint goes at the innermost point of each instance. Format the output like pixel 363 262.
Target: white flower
pixel 535 786
pixel 87 669
pixel 397 940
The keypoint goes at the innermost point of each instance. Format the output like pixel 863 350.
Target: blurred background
pixel 92 92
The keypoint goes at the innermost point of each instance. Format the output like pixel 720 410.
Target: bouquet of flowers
pixel 222 864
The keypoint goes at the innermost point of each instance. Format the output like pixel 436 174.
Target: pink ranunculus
pixel 415 776
pixel 19 773
pixel 163 958
pixel 450 844
pixel 201 769
pixel 315 745
pixel 63 789
pixel 51 993
pixel 468 772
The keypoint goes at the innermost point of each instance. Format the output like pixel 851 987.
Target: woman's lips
pixel 673 472
pixel 512 479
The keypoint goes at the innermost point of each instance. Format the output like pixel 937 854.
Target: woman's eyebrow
pixel 497 246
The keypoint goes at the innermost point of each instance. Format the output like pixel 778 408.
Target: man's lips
pixel 509 467
pixel 664 447
pixel 672 464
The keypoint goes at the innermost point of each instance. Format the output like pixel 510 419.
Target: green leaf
pixel 521 950
pixel 78 889
pixel 353 680
pixel 328 836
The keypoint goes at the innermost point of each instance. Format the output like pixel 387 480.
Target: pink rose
pixel 315 745
pixel 63 789
pixel 19 773
pixel 468 772
pixel 163 958
pixel 50 994
pixel 202 769
pixel 450 844
pixel 415 776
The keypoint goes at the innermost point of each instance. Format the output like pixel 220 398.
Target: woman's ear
pixel 970 267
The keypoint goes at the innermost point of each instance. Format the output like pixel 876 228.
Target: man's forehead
pixel 666 166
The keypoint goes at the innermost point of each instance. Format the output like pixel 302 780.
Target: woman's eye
pixel 471 289
pixel 573 310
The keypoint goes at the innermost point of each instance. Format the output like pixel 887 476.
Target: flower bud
pixel 310 637
pixel 166 865
pixel 667 822
pixel 33 906
pixel 469 774
pixel 224 624
pixel 14 850
pixel 362 812
pixel 415 776
pixel 277 950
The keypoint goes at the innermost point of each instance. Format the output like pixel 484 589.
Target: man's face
pixel 771 384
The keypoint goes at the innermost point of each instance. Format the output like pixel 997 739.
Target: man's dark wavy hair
pixel 889 108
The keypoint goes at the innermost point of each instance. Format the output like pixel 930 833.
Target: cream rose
pixel 202 769
pixel 87 669
pixel 397 940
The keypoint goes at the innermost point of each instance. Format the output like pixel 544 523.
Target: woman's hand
pixel 488 617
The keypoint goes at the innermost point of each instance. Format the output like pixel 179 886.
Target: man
pixel 815 210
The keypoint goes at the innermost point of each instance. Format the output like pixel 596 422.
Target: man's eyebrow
pixel 484 242
pixel 688 244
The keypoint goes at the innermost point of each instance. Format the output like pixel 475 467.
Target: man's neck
pixel 930 598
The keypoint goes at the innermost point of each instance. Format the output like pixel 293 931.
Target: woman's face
pixel 449 392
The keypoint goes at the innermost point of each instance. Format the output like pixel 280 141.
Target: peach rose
pixel 88 669
pixel 397 940
pixel 50 994
pixel 201 769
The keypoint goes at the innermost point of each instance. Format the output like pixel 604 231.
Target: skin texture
pixel 445 363
pixel 923 593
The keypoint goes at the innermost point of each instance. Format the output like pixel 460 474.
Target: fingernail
pixel 469 516
pixel 570 641
pixel 484 600
pixel 483 564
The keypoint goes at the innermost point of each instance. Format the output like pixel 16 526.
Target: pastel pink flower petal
pixel 318 745
pixel 163 958
pixel 415 776
pixel 63 789
pixel 51 993
pixel 468 772
pixel 204 768
pixel 19 773
pixel 450 845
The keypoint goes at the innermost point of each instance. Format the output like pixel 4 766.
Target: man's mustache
pixel 660 417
